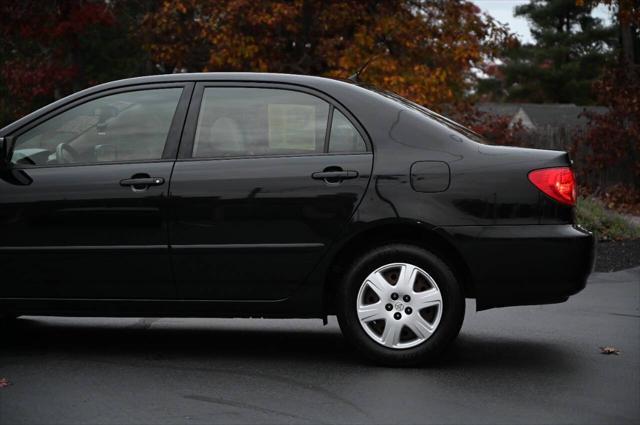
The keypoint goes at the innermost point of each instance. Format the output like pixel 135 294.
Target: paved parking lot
pixel 536 364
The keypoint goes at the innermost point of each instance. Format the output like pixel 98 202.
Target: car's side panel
pixel 514 265
pixel 252 229
pixel 488 184
pixel 74 232
pixel 488 188
pixel 298 308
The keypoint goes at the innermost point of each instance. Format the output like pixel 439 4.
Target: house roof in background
pixel 502 109
pixel 544 114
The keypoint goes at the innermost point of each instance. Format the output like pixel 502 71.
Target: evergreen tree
pixel 570 51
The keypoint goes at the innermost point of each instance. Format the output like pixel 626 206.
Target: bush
pixel 605 224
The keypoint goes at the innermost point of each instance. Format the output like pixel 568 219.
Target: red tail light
pixel 557 183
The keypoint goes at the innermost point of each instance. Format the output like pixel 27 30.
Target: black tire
pixel 452 300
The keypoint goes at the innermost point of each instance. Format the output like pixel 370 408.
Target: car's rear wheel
pixel 400 305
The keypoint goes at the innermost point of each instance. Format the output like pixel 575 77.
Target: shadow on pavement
pixel 28 337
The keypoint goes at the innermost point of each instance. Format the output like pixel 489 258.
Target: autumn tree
pixel 53 48
pixel 425 50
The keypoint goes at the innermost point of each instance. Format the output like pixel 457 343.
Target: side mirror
pixel 6 151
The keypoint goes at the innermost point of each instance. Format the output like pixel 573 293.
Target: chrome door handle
pixel 335 175
pixel 144 181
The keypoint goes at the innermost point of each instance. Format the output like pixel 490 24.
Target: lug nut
pixel 406 298
pixel 408 310
pixel 397 316
pixel 394 296
pixel 389 307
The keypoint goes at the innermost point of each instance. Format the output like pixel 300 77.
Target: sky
pixel 502 10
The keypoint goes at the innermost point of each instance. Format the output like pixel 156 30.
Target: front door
pixel 83 210
pixel 267 179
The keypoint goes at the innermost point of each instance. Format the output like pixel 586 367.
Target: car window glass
pixel 240 121
pixel 344 137
pixel 121 127
pixel 430 114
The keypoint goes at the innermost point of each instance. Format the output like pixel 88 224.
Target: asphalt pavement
pixel 539 364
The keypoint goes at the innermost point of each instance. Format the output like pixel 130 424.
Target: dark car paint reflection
pixel 257 235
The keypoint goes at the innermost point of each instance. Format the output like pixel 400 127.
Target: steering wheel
pixel 61 157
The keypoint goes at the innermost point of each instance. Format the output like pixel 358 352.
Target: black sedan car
pixel 268 195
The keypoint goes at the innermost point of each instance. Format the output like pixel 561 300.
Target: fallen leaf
pixel 609 350
pixel 4 382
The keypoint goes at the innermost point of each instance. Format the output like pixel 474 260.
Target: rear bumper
pixel 520 265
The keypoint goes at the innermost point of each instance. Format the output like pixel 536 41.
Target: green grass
pixel 604 223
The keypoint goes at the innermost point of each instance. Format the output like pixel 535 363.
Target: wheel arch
pixel 394 232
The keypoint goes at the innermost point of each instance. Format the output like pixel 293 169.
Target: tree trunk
pixel 626 38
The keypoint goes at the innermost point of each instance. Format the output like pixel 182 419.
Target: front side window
pixel 243 121
pixel 127 126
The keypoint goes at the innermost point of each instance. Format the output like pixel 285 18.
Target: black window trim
pixel 172 142
pixel 185 151
pixel 327 133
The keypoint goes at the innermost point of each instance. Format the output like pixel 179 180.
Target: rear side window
pixel 458 128
pixel 127 126
pixel 344 136
pixel 244 121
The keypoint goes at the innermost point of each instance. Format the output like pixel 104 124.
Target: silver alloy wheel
pixel 399 305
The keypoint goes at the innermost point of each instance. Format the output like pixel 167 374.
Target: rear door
pixel 267 176
pixel 83 211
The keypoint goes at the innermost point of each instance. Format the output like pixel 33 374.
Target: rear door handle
pixel 142 182
pixel 334 175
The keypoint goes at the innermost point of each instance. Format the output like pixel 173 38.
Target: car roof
pixel 229 76
pixel 257 77
pixel 321 83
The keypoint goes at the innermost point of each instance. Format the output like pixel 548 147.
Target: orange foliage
pixel 425 50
